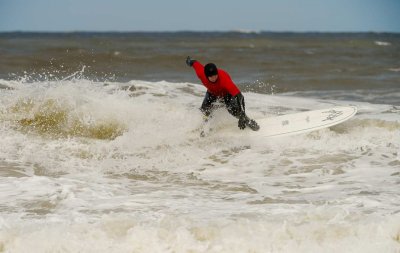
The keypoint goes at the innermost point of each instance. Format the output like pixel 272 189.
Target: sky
pixel 200 15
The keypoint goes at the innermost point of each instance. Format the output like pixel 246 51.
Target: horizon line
pixel 243 31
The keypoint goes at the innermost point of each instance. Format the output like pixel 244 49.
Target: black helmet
pixel 210 70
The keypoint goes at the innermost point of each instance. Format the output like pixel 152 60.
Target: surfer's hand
pixel 189 61
pixel 242 122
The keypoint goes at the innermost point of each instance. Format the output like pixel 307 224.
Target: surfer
pixel 221 87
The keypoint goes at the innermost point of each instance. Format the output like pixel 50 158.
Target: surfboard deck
pixel 303 122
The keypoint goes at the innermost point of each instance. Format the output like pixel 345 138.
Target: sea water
pixel 100 147
pixel 91 166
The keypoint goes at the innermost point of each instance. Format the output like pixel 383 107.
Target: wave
pixel 125 161
pixel 83 108
pixel 383 43
pixel 312 231
pixel 369 125
pixel 55 118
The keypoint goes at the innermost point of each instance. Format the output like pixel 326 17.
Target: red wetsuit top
pixel 223 86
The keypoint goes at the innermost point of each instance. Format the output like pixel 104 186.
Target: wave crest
pixel 56 119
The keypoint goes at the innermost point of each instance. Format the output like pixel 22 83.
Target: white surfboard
pixel 303 122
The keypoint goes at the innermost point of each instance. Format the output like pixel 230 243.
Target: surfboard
pixel 303 122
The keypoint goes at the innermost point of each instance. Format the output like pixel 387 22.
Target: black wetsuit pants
pixel 234 105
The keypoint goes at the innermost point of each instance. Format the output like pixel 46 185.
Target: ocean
pixel 100 148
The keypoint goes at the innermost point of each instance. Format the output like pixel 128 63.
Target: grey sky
pixel 205 15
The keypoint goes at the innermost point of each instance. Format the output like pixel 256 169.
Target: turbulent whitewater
pixel 91 166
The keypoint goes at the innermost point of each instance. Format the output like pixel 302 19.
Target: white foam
pixel 315 231
pixel 382 43
pixel 159 187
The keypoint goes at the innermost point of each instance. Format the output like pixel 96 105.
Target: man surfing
pixel 221 87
